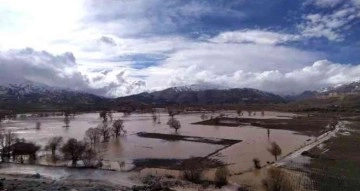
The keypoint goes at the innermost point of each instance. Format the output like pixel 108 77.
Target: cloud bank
pixel 125 47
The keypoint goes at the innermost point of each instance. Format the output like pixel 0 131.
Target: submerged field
pixel 150 144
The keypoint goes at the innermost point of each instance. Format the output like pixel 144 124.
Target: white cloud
pixel 320 74
pixel 254 36
pixel 278 69
pixel 324 3
pixel 108 37
pixel 36 23
pixel 333 25
pixel 224 58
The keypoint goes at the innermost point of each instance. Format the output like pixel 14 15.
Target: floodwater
pixel 239 156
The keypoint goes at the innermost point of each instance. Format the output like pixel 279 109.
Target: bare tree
pixel 38 125
pixel 174 123
pixel 92 135
pixel 333 123
pixel 66 121
pixel 53 144
pixel 239 111
pixel 6 140
pixel 73 150
pixel 89 157
pixel 2 143
pixel 103 115
pixel 172 112
pixel 2 117
pixel 21 148
pixel 110 115
pixel 193 170
pixel 104 131
pixel 204 117
pixel 275 150
pixel 118 128
pixel 10 138
pixel 154 117
pixel 277 180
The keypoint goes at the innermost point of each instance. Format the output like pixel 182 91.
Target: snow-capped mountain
pixel 28 94
pixel 39 96
pixel 338 90
pixel 199 87
pixel 350 88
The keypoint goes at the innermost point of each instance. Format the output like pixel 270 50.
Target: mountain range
pixel 29 96
pixel 183 95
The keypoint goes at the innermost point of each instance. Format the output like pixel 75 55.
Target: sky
pixel 116 48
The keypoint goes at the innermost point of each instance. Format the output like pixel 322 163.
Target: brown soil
pixel 183 164
pixel 174 137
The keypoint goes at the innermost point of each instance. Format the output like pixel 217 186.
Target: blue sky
pixel 122 47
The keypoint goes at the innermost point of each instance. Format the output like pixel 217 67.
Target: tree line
pixel 15 149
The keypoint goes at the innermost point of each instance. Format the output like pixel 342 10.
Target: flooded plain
pixel 253 141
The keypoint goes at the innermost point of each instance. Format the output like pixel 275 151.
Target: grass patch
pixel 339 167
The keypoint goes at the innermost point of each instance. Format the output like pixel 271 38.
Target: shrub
pixel 277 180
pixel 256 163
pixel 221 175
pixel 275 150
pixel 193 170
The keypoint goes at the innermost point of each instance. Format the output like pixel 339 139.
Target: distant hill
pixel 303 96
pixel 351 88
pixel 30 96
pixel 345 97
pixel 183 95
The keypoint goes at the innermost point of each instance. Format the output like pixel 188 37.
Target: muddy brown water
pixel 239 156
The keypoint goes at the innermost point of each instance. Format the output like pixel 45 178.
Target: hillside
pixel 345 97
pixel 204 96
pixel 29 96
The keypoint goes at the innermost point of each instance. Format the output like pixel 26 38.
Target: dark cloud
pixel 42 67
pixel 60 71
pixel 108 40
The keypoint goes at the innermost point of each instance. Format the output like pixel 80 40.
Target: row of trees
pixel 18 149
pixel 73 149
pixel 15 148
pixel 104 132
pixel 250 113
